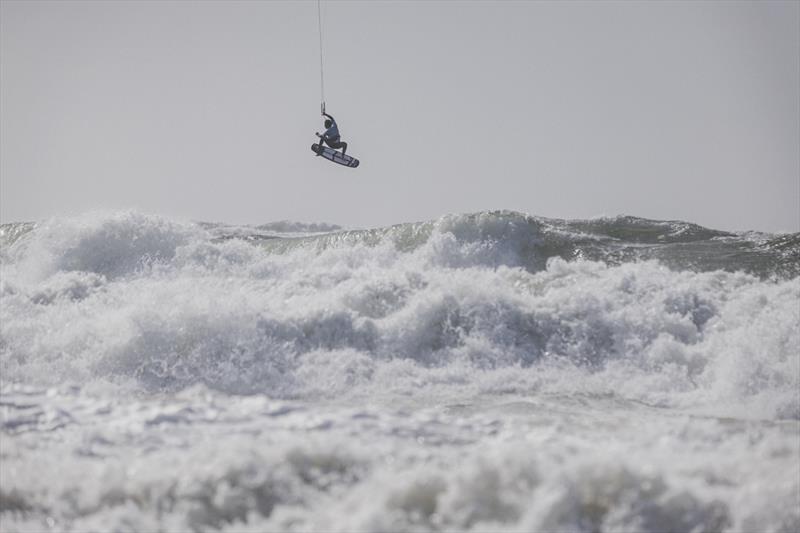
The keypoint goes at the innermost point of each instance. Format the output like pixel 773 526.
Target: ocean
pixel 491 371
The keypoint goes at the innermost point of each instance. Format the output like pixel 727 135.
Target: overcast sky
pixel 207 110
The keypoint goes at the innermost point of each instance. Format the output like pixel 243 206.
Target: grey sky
pixel 206 110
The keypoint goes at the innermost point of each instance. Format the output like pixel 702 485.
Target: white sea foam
pixel 444 376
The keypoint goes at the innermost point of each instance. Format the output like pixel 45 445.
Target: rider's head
pixel 328 123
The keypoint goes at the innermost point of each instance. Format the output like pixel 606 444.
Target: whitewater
pixel 492 371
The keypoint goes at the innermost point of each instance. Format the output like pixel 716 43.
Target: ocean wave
pixel 202 461
pixel 471 304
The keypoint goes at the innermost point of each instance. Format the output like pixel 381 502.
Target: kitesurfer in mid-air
pixel 331 135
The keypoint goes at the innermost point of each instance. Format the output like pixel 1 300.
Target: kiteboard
pixel 337 157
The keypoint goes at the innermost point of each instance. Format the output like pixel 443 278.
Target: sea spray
pixel 484 371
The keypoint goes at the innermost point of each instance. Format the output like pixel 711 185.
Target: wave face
pixel 483 371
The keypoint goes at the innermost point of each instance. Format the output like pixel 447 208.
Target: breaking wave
pixel 483 372
pixel 666 313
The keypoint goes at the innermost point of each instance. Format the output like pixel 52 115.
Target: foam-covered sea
pixel 492 371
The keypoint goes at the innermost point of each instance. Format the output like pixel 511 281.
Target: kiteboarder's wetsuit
pixel 331 135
